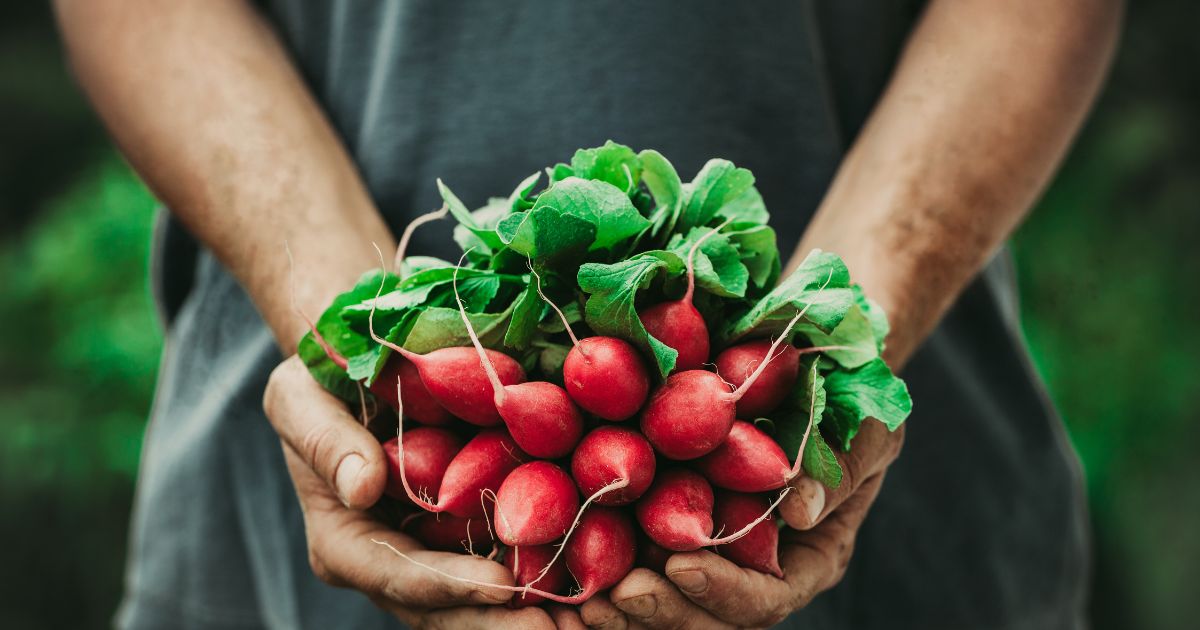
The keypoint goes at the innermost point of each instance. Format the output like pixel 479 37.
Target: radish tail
pixel 420 501
pixel 561 315
pixel 812 410
pixel 573 600
pixel 497 386
pixel 725 540
pixel 691 258
pixel 412 227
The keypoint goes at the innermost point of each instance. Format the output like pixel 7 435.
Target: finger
pixel 328 438
pixel 566 617
pixel 729 592
pixel 648 598
pixel 815 560
pixel 342 552
pixel 810 501
pixel 599 612
pixel 487 618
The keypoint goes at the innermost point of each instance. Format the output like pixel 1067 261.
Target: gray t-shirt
pixel 981 522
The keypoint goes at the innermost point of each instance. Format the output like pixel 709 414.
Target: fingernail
pixel 642 606
pixel 693 581
pixel 814 498
pixel 346 477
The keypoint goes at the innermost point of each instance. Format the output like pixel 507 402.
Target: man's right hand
pixel 339 470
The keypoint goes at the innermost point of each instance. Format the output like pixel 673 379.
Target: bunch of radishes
pixel 574 457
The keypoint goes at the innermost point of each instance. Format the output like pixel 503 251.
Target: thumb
pixel 332 442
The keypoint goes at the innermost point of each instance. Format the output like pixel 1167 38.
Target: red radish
pixel 419 404
pixel 481 465
pixel 445 532
pixel 535 505
pixel 539 415
pixel 600 555
pixel 428 453
pixel 758 549
pixel 525 562
pixel 607 377
pixel 604 375
pixel 747 461
pixel 611 453
pixel 678 324
pixel 736 363
pixel 676 512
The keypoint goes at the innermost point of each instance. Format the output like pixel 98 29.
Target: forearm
pixel 981 108
pixel 203 100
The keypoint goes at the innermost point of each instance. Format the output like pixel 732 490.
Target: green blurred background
pixel 1110 282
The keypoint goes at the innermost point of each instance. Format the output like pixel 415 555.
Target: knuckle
pixel 319 445
pixel 320 569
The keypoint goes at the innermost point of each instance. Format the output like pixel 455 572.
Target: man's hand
pixel 338 469
pixel 703 590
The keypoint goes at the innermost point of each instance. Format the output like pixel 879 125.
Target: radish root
pixel 497 386
pixel 572 600
pixel 408 232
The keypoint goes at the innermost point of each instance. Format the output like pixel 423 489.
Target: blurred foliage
pixel 1107 265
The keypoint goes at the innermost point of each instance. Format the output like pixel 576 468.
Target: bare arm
pixel 982 107
pixel 203 100
pixel 980 110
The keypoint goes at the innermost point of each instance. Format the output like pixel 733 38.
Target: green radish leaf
pixel 559 172
pixel 477 292
pixel 747 207
pixel 546 234
pixel 338 333
pixel 854 333
pixel 457 208
pixel 717 184
pixel 438 327
pixel 719 268
pixel 821 283
pixel 791 418
pixel 518 200
pixel 614 163
pixel 875 315
pixel 870 391
pixel 758 251
pixel 485 218
pixel 603 205
pixel 611 308
pixel 664 184
pixel 526 314
pixel 820 462
pixel 416 264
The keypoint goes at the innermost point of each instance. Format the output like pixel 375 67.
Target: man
pixel 324 124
